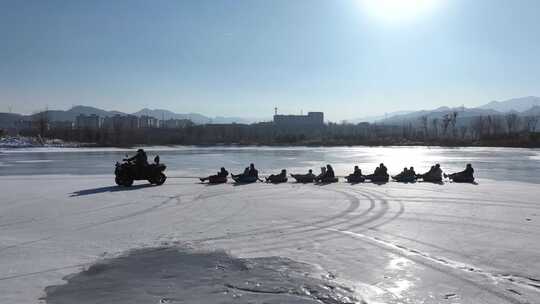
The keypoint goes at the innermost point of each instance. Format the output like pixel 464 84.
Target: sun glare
pixel 399 11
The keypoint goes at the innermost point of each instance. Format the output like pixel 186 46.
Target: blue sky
pixel 243 57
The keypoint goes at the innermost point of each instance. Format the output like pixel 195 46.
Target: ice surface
pixel 393 243
pixel 177 275
pixel 492 163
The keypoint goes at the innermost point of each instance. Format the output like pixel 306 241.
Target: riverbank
pixel 36 142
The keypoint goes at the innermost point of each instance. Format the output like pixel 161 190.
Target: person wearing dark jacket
pixel 221 174
pixel 252 171
pixel 356 176
pixel 305 178
pixel 248 172
pixel 330 172
pixel 433 175
pixel 466 175
pixel 277 178
pixel 328 175
pixel 380 171
pixel 140 159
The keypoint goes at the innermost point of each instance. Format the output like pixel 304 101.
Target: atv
pixel 127 171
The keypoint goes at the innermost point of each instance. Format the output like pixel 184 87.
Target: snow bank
pixel 20 142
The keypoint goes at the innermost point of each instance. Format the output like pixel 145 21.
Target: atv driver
pixel 140 159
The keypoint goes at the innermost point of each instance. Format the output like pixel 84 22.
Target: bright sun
pixel 398 11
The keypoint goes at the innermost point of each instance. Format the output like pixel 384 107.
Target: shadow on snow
pixel 109 189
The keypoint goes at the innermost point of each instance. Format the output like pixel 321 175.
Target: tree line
pixel 448 130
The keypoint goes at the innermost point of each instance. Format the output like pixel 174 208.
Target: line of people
pixel 327 175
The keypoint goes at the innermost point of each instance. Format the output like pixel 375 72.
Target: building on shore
pixel 148 122
pixel 312 119
pixel 175 123
pixel 92 122
pixel 61 125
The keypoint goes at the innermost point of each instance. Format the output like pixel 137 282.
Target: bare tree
pixel 532 121
pixel 453 122
pixel 445 123
pixel 424 122
pixel 41 120
pixel 463 131
pixel 435 127
pixel 477 127
pixel 511 122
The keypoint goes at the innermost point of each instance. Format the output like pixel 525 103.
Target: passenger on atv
pixel 219 178
pixel 137 168
pixel 327 175
pixel 465 176
pixel 305 178
pixel 379 175
pixel 356 176
pixel 250 175
pixel 434 175
pixel 277 178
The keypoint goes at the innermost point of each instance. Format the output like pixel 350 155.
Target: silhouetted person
pixel 305 178
pixel 383 170
pixel 402 174
pixel 252 171
pixel 411 172
pixel 380 174
pixel 140 159
pixel 278 178
pixel 222 173
pixel 249 171
pixel 380 171
pixel 433 175
pixel 466 175
pixel 356 176
pixel 322 175
pixel 330 172
pixel 327 174
pixel 356 173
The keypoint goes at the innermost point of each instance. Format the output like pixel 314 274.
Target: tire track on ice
pixel 354 204
pixel 322 236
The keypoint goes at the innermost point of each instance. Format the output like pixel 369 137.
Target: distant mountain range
pixel 376 118
pixel 517 104
pixel 525 106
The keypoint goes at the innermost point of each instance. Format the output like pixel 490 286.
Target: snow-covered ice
pixel 392 243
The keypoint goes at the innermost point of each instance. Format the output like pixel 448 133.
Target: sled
pixel 242 179
pixel 355 178
pixel 303 178
pixel 217 179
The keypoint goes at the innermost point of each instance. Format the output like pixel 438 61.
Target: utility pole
pixel 275 111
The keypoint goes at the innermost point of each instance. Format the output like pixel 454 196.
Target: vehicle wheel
pixel 128 182
pixel 118 181
pixel 160 179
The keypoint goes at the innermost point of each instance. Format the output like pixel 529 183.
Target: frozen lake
pixel 394 243
pixel 492 163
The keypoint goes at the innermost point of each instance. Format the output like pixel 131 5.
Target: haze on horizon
pixel 348 58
